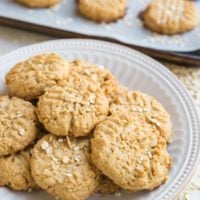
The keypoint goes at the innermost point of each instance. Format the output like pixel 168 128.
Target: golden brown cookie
pixel 39 3
pixel 29 78
pixel 88 75
pixel 130 151
pixel 18 124
pixel 62 167
pixel 170 16
pixel 65 110
pixel 102 10
pixel 145 105
pixel 107 186
pixel 16 171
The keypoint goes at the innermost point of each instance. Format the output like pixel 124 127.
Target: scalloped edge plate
pixel 136 71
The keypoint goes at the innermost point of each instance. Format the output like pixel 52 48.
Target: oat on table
pixel 18 124
pixel 130 151
pixel 62 167
pixel 170 16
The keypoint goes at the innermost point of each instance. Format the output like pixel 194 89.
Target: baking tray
pixel 64 21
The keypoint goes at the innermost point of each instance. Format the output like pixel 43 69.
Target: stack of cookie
pixel 86 134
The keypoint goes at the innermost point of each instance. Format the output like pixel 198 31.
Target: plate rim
pixel 153 65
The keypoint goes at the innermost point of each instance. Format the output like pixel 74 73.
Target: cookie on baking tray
pixel 16 171
pixel 145 105
pixel 29 78
pixel 130 151
pixel 18 124
pixel 62 167
pixel 170 16
pixel 102 10
pixel 39 3
pixel 66 110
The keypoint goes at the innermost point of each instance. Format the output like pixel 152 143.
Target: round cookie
pixel 18 124
pixel 85 74
pixel 39 3
pixel 145 105
pixel 62 167
pixel 129 150
pixel 107 186
pixel 170 16
pixel 65 110
pixel 29 78
pixel 102 10
pixel 16 171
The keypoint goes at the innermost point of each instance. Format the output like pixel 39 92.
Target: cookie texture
pixel 170 16
pixel 28 79
pixel 65 110
pixel 88 75
pixel 16 171
pixel 62 167
pixel 107 186
pixel 102 10
pixel 144 105
pixel 39 3
pixel 130 151
pixel 18 124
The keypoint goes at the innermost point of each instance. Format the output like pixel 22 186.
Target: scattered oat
pixel 186 196
pixel 45 145
pixel 65 160
pixel 60 140
pixel 149 155
pixel 117 194
pixel 68 142
pixel 30 11
pixel 49 150
pixel 69 175
pixel 56 7
pixel 29 190
pixel 77 159
pixel 21 132
pixel 76 148
pixel 50 139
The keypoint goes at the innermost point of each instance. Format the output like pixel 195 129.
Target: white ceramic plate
pixel 135 71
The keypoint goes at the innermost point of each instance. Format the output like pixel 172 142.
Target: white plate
pixel 136 71
pixel 128 30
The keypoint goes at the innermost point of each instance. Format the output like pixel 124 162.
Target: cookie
pixel 18 124
pixel 62 167
pixel 88 75
pixel 16 171
pixel 102 10
pixel 170 16
pixel 39 3
pixel 65 110
pixel 129 150
pixel 29 78
pixel 107 186
pixel 145 105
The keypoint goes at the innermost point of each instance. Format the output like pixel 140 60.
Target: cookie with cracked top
pixel 62 167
